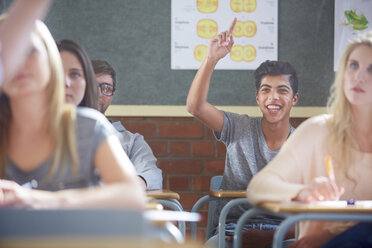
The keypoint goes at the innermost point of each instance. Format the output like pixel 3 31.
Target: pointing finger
pixel 232 26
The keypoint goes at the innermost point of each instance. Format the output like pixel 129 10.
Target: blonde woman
pixel 52 149
pixel 298 172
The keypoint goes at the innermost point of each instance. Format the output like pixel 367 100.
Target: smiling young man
pixel 251 142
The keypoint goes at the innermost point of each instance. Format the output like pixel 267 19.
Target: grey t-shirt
pixel 92 128
pixel 140 154
pixel 246 154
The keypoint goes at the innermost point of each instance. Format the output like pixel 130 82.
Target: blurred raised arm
pixel 15 31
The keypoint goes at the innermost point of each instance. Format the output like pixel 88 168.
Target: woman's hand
pixel 13 195
pixel 321 189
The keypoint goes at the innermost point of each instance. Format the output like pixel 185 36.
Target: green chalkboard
pixel 134 36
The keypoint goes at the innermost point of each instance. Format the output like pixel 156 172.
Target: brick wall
pixel 187 153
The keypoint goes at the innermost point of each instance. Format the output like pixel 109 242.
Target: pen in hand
pixel 329 167
pixel 331 175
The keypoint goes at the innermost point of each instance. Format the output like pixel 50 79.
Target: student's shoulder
pixel 315 125
pixel 127 135
pixel 319 120
pixel 240 118
pixel 119 126
pixel 89 115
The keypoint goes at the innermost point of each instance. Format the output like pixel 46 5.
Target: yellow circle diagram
pixel 236 5
pixel 199 52
pixel 249 5
pixel 206 28
pixel 236 53
pixel 207 6
pixel 249 53
pixel 250 28
pixel 243 5
pixel 239 29
pixel 239 53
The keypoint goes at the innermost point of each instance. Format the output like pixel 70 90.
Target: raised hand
pixel 221 44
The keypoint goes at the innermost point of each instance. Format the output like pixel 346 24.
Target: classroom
pixel 154 99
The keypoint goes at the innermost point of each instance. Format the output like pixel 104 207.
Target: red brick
pixel 295 122
pixel 180 130
pixel 201 182
pixel 203 148
pixel 179 148
pixel 180 166
pixel 165 181
pixel 216 166
pixel 159 148
pixel 187 200
pixel 178 183
pixel 158 119
pixel 184 119
pixel 146 129
pixel 200 234
pixel 204 219
pixel 221 149
pixel 208 134
pixel 132 119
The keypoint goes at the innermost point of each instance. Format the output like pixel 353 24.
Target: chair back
pixel 215 184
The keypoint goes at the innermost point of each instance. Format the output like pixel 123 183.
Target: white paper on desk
pixel 365 204
pixel 167 215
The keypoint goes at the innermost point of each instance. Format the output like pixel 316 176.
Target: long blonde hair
pixel 60 116
pixel 340 108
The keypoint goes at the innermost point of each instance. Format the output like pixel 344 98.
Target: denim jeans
pixel 230 227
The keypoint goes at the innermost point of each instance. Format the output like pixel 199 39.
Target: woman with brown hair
pixel 80 80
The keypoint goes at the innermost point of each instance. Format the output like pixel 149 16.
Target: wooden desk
pixel 169 199
pixel 72 225
pixel 163 194
pixel 152 204
pixel 296 212
pixel 319 207
pixel 228 193
pixel 95 243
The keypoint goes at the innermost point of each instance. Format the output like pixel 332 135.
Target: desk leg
pixel 241 222
pixel 195 209
pixel 222 219
pixel 174 205
pixel 175 232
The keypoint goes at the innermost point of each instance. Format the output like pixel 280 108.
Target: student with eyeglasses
pixel 138 151
pixel 106 89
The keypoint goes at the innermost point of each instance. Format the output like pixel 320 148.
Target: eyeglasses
pixel 106 89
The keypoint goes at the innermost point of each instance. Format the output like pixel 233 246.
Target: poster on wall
pixel 351 19
pixel 195 22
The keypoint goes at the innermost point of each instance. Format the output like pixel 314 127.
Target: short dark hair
pixel 274 68
pixel 103 67
pixel 90 98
